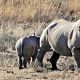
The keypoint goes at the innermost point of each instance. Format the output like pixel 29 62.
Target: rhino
pixel 63 38
pixel 26 48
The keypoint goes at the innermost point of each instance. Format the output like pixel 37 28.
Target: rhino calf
pixel 26 48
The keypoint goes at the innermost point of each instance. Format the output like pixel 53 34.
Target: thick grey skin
pixel 27 47
pixel 63 38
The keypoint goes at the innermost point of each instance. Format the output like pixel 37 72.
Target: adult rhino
pixel 63 37
pixel 26 48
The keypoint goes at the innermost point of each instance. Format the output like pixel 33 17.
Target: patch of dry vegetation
pixel 37 10
pixel 9 69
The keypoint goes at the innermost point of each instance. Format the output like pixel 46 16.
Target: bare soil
pixel 9 69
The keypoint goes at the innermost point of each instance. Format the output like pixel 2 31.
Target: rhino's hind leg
pixel 77 57
pixel 29 60
pixel 20 62
pixel 54 59
pixel 34 57
pixel 25 62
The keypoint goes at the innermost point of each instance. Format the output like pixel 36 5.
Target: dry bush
pixel 37 10
pixel 7 41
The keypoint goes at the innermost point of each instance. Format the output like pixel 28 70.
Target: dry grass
pixel 24 15
pixel 22 10
pixel 15 14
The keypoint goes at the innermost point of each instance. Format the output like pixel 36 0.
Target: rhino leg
pixel 54 59
pixel 20 62
pixel 34 57
pixel 40 57
pixel 77 56
pixel 29 60
pixel 25 62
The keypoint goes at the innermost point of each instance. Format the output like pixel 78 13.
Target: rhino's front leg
pixel 38 62
pixel 76 52
pixel 40 57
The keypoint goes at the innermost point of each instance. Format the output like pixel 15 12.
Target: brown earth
pixel 9 69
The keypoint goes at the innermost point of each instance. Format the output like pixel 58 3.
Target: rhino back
pixel 29 46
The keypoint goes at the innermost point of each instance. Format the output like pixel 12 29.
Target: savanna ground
pixel 9 69
pixel 19 18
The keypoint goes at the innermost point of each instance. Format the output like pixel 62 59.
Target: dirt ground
pixel 9 69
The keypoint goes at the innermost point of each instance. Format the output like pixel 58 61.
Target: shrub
pixel 7 41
